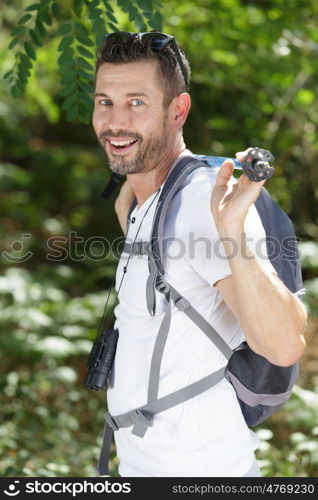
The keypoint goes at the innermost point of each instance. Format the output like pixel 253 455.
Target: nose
pixel 118 118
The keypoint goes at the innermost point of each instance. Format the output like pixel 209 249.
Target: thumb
pixel 225 173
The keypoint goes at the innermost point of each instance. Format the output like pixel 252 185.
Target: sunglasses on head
pixel 158 42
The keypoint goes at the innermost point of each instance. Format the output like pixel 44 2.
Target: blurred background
pixel 254 83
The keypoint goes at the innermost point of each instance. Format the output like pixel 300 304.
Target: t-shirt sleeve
pixel 206 252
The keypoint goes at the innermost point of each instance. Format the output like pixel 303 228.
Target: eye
pixel 105 102
pixel 137 102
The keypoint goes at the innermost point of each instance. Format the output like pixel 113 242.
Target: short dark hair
pixel 131 48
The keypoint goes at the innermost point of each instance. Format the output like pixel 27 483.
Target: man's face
pixel 129 119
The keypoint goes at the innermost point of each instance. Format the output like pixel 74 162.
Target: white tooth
pixel 122 143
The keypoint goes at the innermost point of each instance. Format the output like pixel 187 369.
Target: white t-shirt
pixel 207 435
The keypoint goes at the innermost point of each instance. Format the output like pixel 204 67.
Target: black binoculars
pixel 100 360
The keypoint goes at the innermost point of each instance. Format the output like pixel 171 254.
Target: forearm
pixel 272 318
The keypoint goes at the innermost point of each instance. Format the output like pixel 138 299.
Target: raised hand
pixel 231 198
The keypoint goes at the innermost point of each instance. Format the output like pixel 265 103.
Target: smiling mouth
pixel 121 147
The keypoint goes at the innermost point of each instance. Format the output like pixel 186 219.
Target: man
pixel 141 105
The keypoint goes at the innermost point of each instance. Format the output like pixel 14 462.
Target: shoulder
pixel 189 209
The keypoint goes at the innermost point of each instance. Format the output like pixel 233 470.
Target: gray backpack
pixel 261 387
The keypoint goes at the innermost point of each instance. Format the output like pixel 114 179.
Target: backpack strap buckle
pixel 111 421
pixel 182 304
pixel 142 421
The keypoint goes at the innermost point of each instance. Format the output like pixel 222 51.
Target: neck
pixel 147 183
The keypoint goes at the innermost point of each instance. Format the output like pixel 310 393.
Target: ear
pixel 180 109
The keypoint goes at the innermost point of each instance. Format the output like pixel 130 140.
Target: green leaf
pixel 67 53
pixel 69 101
pixel 67 65
pixel 65 43
pixel 85 99
pixel 66 56
pixel 65 28
pixel 68 89
pixel 72 113
pixel 29 50
pixel 46 18
pixel 99 37
pixel 25 61
pixel 156 22
pixel 84 52
pixel 113 27
pixel 84 117
pixel 98 29
pixel 21 86
pixel 108 6
pixel 68 78
pixel 23 74
pixel 111 17
pixel 17 30
pixel 16 91
pixel 25 18
pixel 86 76
pixel 145 5
pixel 81 30
pixel 85 113
pixel 78 5
pixel 86 87
pixel 13 43
pixel 140 23
pixel 123 4
pixel 86 107
pixel 85 64
pixel 85 41
pixel 56 10
pixel 133 13
pixel 34 6
pixel 96 14
pixel 36 37
pixel 7 74
pixel 40 27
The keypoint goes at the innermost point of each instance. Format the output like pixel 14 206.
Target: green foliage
pixel 289 445
pixel 309 263
pixel 44 430
pixel 76 62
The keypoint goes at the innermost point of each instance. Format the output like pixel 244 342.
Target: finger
pixel 240 155
pixel 225 173
pixel 249 184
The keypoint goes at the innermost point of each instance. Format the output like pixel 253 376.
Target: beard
pixel 149 151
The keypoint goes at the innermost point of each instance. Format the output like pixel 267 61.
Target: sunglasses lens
pixel 158 40
pixel 158 44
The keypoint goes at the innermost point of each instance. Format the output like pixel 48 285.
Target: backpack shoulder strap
pixel 174 181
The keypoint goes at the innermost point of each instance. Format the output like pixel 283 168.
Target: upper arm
pixel 123 203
